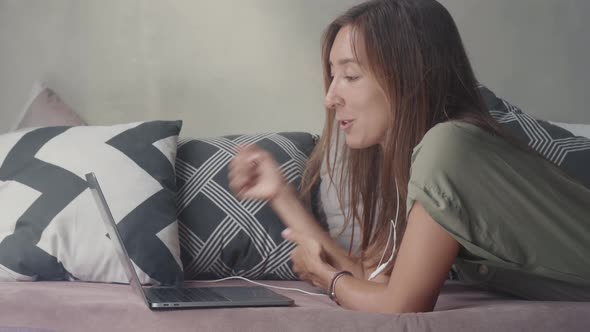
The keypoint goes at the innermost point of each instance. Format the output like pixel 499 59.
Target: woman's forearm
pixel 289 208
pixel 357 294
pixel 419 272
pixel 361 295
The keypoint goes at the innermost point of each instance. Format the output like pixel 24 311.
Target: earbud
pixel 377 271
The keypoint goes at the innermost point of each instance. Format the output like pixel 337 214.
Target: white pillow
pixel 50 226
pixel 576 129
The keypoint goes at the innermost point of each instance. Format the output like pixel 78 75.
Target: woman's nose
pixel 332 99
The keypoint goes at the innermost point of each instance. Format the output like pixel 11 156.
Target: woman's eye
pixel 351 78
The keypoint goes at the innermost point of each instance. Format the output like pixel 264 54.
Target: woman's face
pixel 360 105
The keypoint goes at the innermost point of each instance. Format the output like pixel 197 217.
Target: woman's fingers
pixel 316 283
pixel 298 266
pixel 302 274
pixel 241 181
pixel 242 171
pixel 290 235
pixel 301 267
pixel 254 174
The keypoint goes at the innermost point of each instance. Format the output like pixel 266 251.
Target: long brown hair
pixel 415 52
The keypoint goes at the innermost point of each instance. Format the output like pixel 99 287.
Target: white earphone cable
pixel 381 267
pixel 265 285
pixel 386 244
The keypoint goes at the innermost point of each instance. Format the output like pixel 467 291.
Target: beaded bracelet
pixel 332 288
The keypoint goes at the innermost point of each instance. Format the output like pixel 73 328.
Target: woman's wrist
pixel 333 281
pixel 325 276
pixel 292 212
pixel 337 257
pixel 282 193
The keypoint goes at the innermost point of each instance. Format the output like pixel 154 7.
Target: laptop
pixel 181 297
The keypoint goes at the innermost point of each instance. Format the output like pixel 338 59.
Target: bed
pixel 79 306
pixel 102 306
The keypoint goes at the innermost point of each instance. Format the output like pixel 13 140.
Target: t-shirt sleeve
pixel 446 173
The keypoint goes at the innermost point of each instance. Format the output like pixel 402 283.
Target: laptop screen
pixel 111 227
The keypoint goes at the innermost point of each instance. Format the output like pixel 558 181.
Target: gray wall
pixel 533 53
pixel 253 65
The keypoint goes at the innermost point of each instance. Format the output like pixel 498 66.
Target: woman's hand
pixel 309 259
pixel 253 174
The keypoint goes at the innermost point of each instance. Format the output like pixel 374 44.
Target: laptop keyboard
pixel 186 295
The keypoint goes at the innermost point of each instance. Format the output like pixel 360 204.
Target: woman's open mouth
pixel 345 124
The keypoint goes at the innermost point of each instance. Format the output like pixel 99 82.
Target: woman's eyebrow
pixel 344 61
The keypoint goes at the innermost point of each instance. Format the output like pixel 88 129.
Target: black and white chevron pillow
pixel 221 235
pixel 50 225
pixel 568 151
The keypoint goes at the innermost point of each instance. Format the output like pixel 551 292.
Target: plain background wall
pixel 254 65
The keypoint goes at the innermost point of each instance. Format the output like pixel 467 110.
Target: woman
pixel 428 164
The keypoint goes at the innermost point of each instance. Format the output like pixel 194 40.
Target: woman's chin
pixel 357 144
pixel 353 144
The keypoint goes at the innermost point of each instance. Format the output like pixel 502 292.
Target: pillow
pixel 50 225
pixel 45 108
pixel 574 128
pixel 220 235
pixel 568 151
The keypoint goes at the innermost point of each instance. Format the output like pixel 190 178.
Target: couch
pixel 80 288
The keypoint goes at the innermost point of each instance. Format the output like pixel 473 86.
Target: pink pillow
pixel 45 108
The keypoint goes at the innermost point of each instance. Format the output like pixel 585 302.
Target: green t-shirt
pixel 523 225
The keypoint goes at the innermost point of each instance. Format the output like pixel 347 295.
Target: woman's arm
pixel 426 254
pixel 425 257
pixel 296 217
pixel 253 174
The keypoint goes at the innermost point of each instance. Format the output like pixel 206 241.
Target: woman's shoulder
pixel 450 148
pixel 450 138
pixel 451 130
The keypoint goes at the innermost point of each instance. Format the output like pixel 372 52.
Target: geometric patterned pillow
pixel 222 236
pixel 50 226
pixel 569 152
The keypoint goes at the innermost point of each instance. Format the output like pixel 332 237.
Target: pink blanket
pixel 76 306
